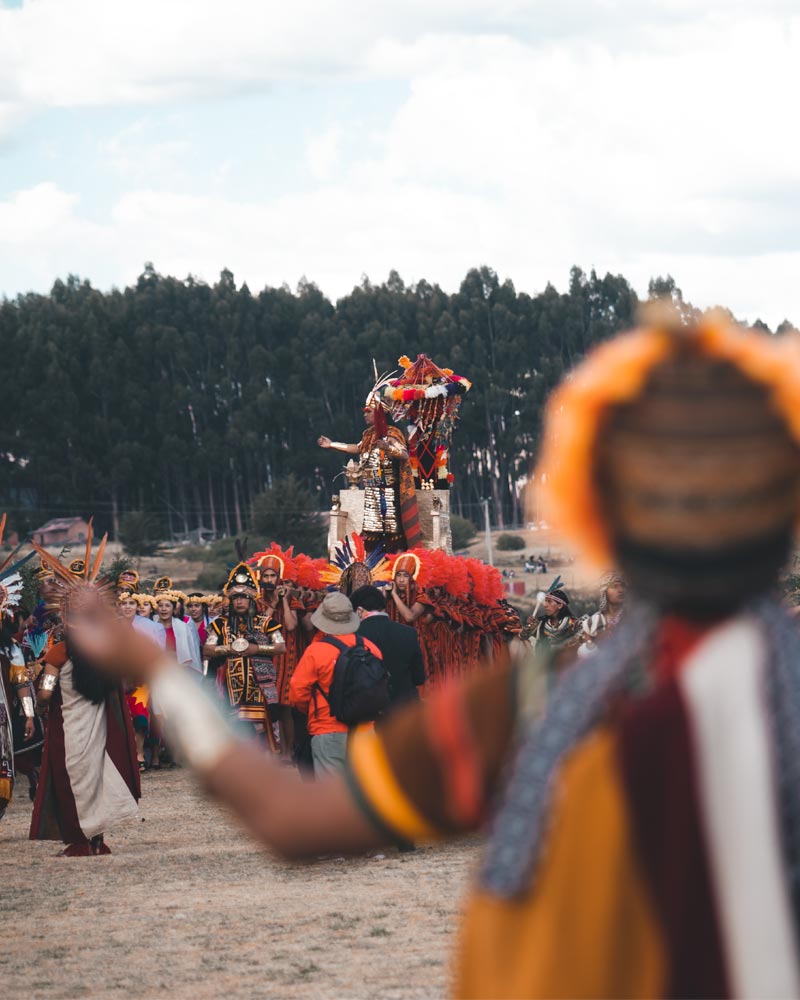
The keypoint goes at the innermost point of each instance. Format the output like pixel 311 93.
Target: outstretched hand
pixel 112 645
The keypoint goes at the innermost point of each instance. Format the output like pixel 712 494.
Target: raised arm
pixel 348 449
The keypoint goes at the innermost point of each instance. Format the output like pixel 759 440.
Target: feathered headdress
pixel 11 584
pixel 308 571
pixel 37 632
pixel 348 552
pixel 453 575
pixel 375 400
pixel 487 583
pixel 277 559
pixel 70 580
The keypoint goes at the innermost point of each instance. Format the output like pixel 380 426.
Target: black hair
pixel 245 621
pixel 368 598
pixel 87 680
pixel 564 610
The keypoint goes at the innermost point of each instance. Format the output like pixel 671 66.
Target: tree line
pixel 181 402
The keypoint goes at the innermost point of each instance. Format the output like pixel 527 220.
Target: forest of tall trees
pixel 184 401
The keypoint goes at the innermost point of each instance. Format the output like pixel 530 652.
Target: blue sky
pixel 331 141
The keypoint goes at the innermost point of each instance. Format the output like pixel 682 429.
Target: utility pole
pixel 488 527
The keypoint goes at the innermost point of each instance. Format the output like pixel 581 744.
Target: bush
pixel 464 531
pixel 510 543
pixel 288 514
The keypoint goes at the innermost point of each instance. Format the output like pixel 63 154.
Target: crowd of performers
pixel 254 632
pixel 245 642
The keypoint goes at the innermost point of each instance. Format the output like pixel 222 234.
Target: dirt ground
pixel 188 906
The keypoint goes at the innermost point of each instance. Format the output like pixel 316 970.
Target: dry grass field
pixel 187 906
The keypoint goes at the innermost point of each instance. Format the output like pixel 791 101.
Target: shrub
pixel 510 543
pixel 464 531
pixel 288 514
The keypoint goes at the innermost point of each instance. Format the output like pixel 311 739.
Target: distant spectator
pixel 402 655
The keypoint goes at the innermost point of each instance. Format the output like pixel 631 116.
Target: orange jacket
pixel 316 667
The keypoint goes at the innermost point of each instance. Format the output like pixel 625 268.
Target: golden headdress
pixel 241 580
pixel 129 579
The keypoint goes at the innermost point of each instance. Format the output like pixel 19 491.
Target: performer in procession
pixel 391 514
pixel 89 780
pixel 644 841
pixel 147 605
pixel 608 615
pixel 245 644
pixel 128 580
pixel 553 629
pixel 21 732
pixel 407 601
pixel 181 637
pixel 197 614
pixel 276 572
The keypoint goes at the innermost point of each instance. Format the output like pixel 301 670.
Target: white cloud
pixel 137 156
pixel 323 152
pixel 637 137
pixel 66 53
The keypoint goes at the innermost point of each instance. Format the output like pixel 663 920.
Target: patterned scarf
pixel 581 701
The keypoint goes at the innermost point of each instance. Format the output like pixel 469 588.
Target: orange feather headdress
pixel 615 373
pixel 277 559
pixel 72 580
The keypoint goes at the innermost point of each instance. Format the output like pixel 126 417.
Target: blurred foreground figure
pixel 646 831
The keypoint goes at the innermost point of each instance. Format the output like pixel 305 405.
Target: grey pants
pixel 328 752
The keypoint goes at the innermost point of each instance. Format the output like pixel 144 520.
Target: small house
pixel 62 531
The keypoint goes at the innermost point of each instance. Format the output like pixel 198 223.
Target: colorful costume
pixel 89 779
pixel 284 566
pixel 391 513
pixel 17 754
pixel 251 682
pixel 427 400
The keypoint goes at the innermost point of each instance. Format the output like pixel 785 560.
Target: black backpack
pixel 359 691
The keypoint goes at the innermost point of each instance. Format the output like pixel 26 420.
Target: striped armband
pixel 378 791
